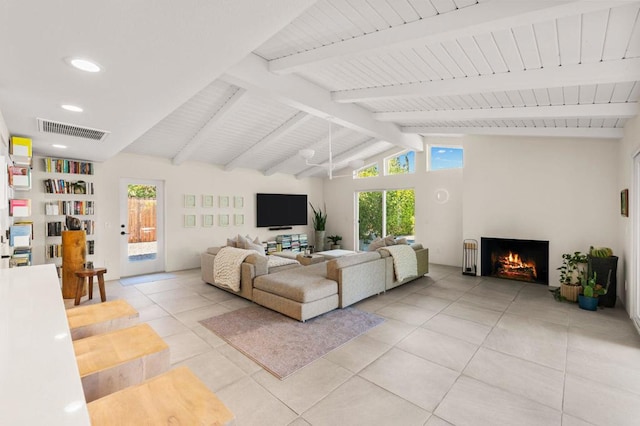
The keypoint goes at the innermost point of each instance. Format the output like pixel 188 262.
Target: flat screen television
pixel 279 210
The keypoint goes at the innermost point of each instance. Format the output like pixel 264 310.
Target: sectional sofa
pixel 303 292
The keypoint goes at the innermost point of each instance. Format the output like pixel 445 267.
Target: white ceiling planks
pixel 449 66
pixel 272 138
pixel 385 72
pixel 184 122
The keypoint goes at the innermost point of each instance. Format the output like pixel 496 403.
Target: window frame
pixel 374 163
pixel 443 146
pixel 398 154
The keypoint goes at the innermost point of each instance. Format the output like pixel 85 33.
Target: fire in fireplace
pixel 522 260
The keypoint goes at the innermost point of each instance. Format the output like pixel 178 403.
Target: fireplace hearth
pixel 512 259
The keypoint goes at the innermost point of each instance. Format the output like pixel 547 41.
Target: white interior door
pixel 141 226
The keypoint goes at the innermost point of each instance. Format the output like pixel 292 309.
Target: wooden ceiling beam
pixel 617 110
pixel 233 103
pixel 622 70
pixel 568 132
pixel 287 127
pixel 253 74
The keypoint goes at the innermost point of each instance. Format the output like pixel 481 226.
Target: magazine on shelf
pixel 19 177
pixel 20 207
pixel 20 235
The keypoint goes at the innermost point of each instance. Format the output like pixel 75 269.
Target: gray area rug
pixel 282 345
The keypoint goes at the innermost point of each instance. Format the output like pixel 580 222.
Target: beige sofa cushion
pixel 302 285
pixel 335 264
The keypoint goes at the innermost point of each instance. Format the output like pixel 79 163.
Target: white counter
pixel 39 378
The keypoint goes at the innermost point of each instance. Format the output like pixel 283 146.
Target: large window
pixel 367 171
pixel 382 213
pixel 445 157
pixel 402 163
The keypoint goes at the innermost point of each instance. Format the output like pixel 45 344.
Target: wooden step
pixel 112 361
pixel 177 397
pixel 100 318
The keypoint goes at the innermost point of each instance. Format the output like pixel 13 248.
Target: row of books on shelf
pixel 21 257
pixel 60 165
pixel 19 177
pixel 293 242
pixel 56 208
pixel 54 229
pixel 54 251
pixel 61 186
pixel 20 207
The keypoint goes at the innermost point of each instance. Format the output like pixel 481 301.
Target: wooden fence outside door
pixel 142 220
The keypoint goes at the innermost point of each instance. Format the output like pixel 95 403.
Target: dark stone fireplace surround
pixel 530 252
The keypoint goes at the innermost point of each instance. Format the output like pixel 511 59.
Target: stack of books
pixel 284 242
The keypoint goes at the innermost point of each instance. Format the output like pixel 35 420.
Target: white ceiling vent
pixel 50 126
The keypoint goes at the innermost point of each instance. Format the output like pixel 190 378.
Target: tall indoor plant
pixel 319 223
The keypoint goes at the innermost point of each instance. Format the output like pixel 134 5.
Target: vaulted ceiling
pixel 247 84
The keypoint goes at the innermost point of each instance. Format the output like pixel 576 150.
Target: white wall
pixel 183 245
pixel 629 146
pixel 557 189
pixel 437 226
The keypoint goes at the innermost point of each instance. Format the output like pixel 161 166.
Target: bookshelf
pixel 68 191
pixel 19 180
pixel 295 243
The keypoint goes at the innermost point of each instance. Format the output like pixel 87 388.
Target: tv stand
pixel 280 228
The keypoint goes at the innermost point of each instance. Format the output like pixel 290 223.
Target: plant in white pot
pixel 335 241
pixel 319 224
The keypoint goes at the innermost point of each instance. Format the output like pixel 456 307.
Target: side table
pixel 90 273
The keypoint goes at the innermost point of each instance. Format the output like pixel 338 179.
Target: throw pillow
pixel 402 241
pixel 232 242
pixel 376 244
pixel 389 240
pixel 242 241
pixel 250 245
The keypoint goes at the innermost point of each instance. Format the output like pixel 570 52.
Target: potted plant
pixel 602 261
pixel 335 240
pixel 572 268
pixel 319 223
pixel 590 292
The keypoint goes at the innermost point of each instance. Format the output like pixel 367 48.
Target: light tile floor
pixel 454 350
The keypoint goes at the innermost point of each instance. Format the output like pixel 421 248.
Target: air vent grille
pixel 50 126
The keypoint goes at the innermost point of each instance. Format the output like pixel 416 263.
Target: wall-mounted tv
pixel 279 210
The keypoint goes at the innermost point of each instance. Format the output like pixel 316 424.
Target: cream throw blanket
pixel 405 263
pixel 226 267
pixel 275 261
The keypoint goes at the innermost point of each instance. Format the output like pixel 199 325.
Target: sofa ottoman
pixel 297 295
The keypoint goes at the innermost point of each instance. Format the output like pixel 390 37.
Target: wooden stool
pixel 112 361
pixel 82 274
pixel 85 321
pixel 176 397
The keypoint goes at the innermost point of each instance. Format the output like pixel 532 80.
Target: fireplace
pixel 521 260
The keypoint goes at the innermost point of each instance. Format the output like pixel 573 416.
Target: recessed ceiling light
pixel 72 108
pixel 84 65
pixel 55 145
